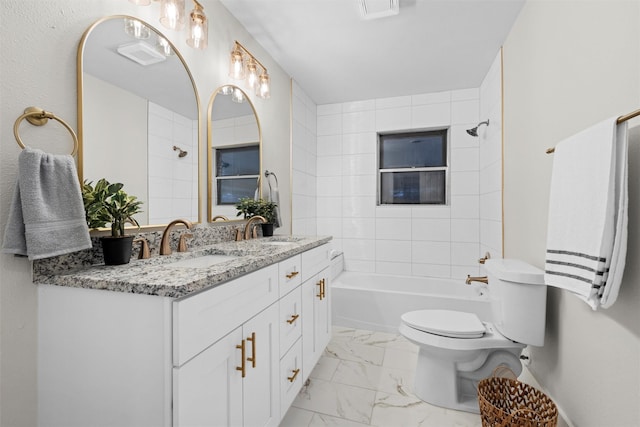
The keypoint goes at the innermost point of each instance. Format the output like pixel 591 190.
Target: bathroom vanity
pixel 226 335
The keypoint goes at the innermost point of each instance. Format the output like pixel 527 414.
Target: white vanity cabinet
pixel 316 330
pixel 109 358
pixel 230 380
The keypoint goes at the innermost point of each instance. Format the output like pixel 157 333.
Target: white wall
pixel 38 45
pixel 436 241
pixel 568 65
pixel 121 139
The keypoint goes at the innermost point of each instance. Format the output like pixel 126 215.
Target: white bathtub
pixel 376 301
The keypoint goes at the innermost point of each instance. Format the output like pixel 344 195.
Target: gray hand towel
pixel 47 216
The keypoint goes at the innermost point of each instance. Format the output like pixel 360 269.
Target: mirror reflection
pixel 234 151
pixel 138 118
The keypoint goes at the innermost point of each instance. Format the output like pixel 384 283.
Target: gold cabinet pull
pixel 294 317
pixel 242 367
pixel 321 289
pixel 292 274
pixel 292 378
pixel 252 359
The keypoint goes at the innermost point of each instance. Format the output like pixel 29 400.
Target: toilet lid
pixel 455 324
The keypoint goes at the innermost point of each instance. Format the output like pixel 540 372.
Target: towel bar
pixel 621 119
pixel 39 117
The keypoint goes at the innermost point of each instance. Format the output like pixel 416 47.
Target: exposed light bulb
pixel 263 90
pixel 236 68
pixel 198 31
pixel 136 29
pixel 252 73
pixel 172 14
pixel 164 47
pixel 237 96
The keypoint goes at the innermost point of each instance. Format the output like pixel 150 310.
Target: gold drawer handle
pixel 252 359
pixel 292 274
pixel 242 367
pixel 321 294
pixel 294 317
pixel 292 378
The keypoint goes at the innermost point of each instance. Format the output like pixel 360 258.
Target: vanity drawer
pixel 290 319
pixel 290 376
pixel 289 274
pixel 204 318
pixel 314 260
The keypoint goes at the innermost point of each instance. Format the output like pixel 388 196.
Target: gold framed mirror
pixel 138 118
pixel 234 151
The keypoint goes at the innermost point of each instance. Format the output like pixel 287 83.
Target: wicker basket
pixel 507 402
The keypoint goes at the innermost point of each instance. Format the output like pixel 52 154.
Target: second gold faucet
pixel 165 247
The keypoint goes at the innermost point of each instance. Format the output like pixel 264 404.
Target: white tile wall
pixel 436 241
pixel 310 137
pixel 418 240
pixel 173 180
pixel 490 161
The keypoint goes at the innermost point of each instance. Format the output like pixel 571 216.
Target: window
pixel 237 171
pixel 413 168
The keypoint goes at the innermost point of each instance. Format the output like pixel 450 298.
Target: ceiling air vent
pixel 141 52
pixel 375 9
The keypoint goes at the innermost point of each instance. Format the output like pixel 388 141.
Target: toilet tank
pixel 518 300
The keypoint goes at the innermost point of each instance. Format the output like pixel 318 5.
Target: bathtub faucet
pixel 483 279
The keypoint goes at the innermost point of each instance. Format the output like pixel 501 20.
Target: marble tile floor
pixel 365 378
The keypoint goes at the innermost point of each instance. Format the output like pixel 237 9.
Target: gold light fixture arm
pixel 245 50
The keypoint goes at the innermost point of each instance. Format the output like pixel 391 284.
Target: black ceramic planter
pixel 267 230
pixel 116 250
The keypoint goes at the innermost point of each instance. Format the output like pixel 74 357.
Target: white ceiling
pixel 336 56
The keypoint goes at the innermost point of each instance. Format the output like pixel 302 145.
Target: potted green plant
pixel 107 203
pixel 251 207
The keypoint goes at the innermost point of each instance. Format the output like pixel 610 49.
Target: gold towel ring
pixel 39 117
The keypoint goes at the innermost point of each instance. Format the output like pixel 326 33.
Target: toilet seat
pixel 446 323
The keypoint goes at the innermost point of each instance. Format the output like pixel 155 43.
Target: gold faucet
pixel 144 248
pixel 217 217
pixel 165 248
pixel 483 279
pixel 250 223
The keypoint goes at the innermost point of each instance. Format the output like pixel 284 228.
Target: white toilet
pixel 457 350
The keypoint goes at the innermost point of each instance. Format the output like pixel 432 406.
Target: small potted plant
pixel 107 203
pixel 251 207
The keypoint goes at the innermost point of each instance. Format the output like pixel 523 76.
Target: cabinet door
pixel 207 390
pixel 261 393
pixel 316 319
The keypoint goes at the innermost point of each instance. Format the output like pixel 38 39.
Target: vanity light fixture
pixel 164 47
pixel 244 64
pixel 197 27
pixel 172 16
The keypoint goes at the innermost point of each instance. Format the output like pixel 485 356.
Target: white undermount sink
pixel 204 261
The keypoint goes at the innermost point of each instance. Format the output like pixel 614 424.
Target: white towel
pixel 587 231
pixel 46 216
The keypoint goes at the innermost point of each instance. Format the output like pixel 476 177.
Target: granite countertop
pixel 157 275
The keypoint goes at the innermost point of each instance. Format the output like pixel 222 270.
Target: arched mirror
pixel 138 118
pixel 234 151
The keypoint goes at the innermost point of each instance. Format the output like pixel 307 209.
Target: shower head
pixel 181 152
pixel 474 131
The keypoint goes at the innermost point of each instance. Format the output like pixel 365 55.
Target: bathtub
pixel 376 301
